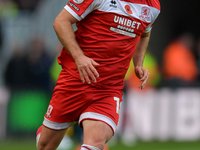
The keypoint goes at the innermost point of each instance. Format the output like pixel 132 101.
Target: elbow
pixel 58 23
pixel 55 24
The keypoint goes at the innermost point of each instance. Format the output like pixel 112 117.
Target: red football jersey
pixel 108 31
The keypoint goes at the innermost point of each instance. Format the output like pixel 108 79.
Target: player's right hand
pixel 86 67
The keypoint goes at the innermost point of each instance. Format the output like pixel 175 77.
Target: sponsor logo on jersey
pixel 122 32
pixel 127 22
pixel 74 6
pixel 125 26
pixel 78 1
pixel 113 3
pixel 128 9
pixel 145 12
pixel 49 110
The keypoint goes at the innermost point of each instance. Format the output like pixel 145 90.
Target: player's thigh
pixel 96 133
pixel 50 139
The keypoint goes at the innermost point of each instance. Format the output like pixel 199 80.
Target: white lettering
pixel 125 21
pixel 118 104
pixel 122 32
pixel 138 25
pixel 116 19
pixel 133 24
pixel 129 23
pixel 121 20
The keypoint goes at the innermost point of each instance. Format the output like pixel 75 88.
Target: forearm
pixel 65 33
pixel 139 54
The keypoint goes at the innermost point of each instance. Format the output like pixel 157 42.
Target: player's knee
pixel 99 145
pixel 45 145
pixel 41 145
pixel 98 141
pixel 102 137
pixel 97 135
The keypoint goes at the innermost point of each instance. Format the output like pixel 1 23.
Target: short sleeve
pixel 154 16
pixel 81 8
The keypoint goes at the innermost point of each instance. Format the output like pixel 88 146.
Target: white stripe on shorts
pixel 57 126
pixel 100 117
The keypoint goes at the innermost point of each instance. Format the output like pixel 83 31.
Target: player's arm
pixel 63 28
pixel 138 58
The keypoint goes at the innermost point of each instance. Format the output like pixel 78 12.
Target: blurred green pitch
pixel 30 145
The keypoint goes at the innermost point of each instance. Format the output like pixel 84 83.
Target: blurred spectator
pixel 198 57
pixel 179 63
pixel 37 65
pixel 29 5
pixel 15 71
pixel 29 71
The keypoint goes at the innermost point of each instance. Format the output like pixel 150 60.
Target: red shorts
pixel 74 101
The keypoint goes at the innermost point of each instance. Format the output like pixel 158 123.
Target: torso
pixel 109 34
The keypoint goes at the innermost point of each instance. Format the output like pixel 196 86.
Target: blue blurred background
pixel 167 110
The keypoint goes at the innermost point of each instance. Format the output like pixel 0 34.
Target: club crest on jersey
pixel 78 1
pixel 49 110
pixel 145 13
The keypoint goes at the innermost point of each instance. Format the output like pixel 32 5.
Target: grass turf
pixel 24 144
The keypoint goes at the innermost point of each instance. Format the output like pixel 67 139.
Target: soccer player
pixel 94 62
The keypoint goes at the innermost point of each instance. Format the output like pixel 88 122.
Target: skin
pixel 85 65
pixel 96 133
pixel 138 58
pixel 50 139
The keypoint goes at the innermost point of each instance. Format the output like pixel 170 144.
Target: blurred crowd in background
pixel 29 69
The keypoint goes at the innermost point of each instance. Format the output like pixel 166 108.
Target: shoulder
pixel 151 3
pixel 154 3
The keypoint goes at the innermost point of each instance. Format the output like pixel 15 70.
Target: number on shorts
pixel 118 104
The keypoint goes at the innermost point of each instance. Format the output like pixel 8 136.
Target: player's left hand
pixel 143 75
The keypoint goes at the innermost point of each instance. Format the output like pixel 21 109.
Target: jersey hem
pixel 146 31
